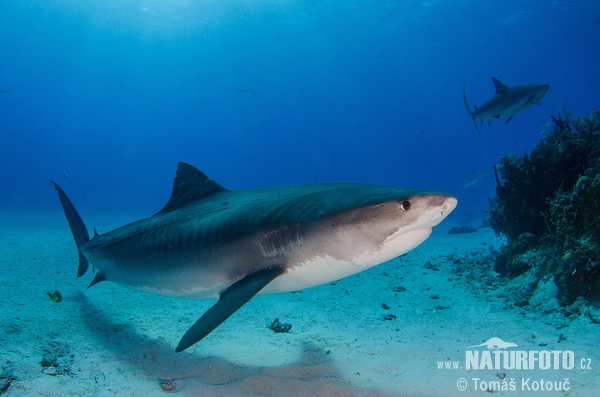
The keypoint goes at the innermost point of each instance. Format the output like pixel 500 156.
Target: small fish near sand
pixel 508 101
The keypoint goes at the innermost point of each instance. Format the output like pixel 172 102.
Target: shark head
pixel 537 91
pixel 346 242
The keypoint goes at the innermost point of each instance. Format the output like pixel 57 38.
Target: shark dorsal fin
pixel 500 86
pixel 190 185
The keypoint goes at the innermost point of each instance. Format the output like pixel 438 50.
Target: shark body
pixel 476 177
pixel 210 242
pixel 508 101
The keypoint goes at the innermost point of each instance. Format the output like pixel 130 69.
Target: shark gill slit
pixel 274 243
pixel 284 243
pixel 297 233
pixel 277 243
pixel 263 241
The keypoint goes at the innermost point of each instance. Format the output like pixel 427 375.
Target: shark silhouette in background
pixel 508 101
pixel 5 92
pixel 476 177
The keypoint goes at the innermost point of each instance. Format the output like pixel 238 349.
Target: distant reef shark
pixel 476 177
pixel 210 242
pixel 508 101
pixel 5 92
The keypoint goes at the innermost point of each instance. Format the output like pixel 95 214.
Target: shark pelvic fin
pixel 78 228
pixel 190 185
pixel 232 298
pixel 97 278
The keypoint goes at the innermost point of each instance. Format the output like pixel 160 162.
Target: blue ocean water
pixel 104 97
pixel 107 96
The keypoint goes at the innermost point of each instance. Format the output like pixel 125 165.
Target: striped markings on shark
pixel 508 101
pixel 210 242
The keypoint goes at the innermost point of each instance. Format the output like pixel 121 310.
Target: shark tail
pixel 78 228
pixel 469 108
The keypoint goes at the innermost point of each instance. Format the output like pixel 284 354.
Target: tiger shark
pixel 210 242
pixel 508 101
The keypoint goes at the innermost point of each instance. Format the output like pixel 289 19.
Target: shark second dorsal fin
pixel 190 185
pixel 500 86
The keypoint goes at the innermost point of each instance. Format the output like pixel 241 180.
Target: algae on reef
pixel 547 204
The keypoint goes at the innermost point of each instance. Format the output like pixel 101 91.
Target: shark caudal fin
pixel 468 107
pixel 80 232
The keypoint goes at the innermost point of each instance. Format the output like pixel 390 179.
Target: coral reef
pixel 547 204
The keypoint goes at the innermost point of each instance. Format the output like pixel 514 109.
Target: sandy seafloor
pixel 111 341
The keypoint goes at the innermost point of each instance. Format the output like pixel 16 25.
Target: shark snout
pixel 437 208
pixel 442 204
pixel 448 206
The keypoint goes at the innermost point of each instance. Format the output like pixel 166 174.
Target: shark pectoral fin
pixel 231 299
pixel 535 101
pixel 510 118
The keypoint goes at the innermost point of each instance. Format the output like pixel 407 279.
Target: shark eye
pixel 405 205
